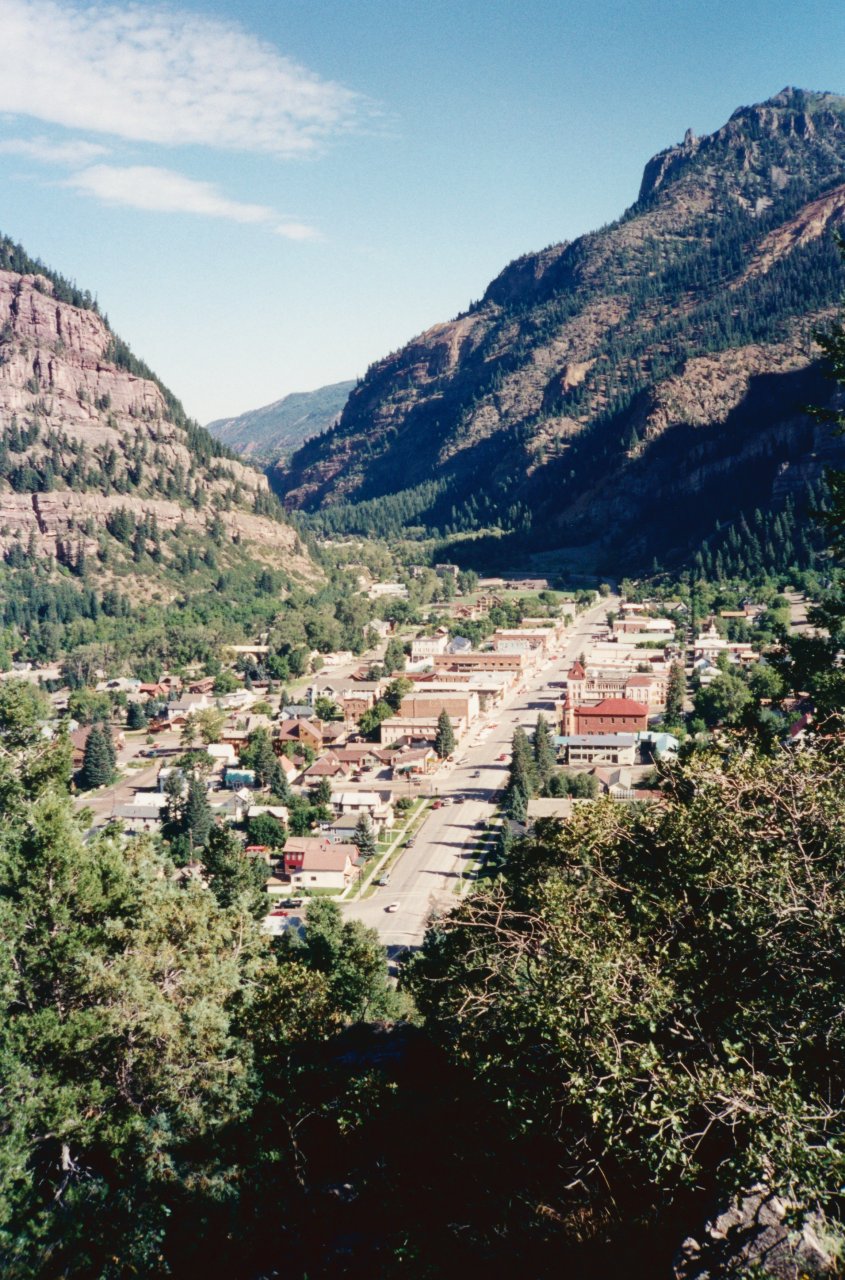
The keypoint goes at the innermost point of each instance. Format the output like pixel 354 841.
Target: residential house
pixel 315 862
pixel 305 733
pixel 328 766
pixel 378 805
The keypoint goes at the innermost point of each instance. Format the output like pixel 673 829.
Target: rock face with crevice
pixel 754 1236
pixel 629 389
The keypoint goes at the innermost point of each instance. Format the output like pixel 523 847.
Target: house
pixel 301 710
pixel 378 805
pixel 429 646
pixel 277 811
pixel 611 715
pixel 315 862
pixel 204 685
pixel 328 766
pixel 79 739
pixel 416 761
pixel 144 812
pixel 305 733
pixel 335 732
pixel 361 756
pixel 601 748
pixel 181 709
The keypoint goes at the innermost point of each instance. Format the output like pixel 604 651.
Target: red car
pixel 502 757
pixel 438 804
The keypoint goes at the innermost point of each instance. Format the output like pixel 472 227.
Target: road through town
pixel 428 874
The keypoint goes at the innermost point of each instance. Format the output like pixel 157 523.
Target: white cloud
pixel 164 191
pixel 45 151
pixel 150 74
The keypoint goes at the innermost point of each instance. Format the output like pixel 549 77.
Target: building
pixel 611 715
pixel 315 862
pixel 458 704
pixel 489 661
pixel 377 805
pixel 601 748
pixel 415 729
pixel 303 733
pixel 429 646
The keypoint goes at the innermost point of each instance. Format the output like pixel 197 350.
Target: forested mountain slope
pixel 275 430
pixel 93 448
pixel 625 392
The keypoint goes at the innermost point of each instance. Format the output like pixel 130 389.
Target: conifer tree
pixel 444 742
pixel 675 695
pixel 364 837
pixel 195 820
pixel 97 767
pixel 544 751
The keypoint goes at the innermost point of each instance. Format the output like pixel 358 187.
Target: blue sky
pixel 268 197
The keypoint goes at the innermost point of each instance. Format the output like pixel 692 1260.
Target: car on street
pixel 503 756
pixel 392 906
pixel 438 804
pixel 476 773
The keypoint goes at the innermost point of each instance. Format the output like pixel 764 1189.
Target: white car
pixel 392 906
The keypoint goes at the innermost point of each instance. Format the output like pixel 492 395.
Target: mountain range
pixel 622 395
pixel 276 430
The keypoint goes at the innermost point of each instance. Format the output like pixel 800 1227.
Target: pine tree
pixel 675 694
pixel 195 820
pixel 136 716
pixel 364 837
pixel 444 742
pixel 544 751
pixel 97 767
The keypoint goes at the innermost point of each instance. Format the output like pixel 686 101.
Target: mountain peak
pixel 789 115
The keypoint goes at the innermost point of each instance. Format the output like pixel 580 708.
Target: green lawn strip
pixel 484 864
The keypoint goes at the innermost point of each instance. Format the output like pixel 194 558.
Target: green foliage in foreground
pixel 658 993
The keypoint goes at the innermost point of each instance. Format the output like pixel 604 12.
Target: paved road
pixel 104 803
pixel 426 876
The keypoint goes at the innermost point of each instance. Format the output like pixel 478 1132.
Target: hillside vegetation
pixel 274 431
pixel 629 392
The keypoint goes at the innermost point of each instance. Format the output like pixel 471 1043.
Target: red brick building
pixel 612 715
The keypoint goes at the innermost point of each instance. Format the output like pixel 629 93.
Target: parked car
pixel 438 804
pixel 383 880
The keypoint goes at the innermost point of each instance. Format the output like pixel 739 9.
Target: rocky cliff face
pixel 82 436
pixel 626 389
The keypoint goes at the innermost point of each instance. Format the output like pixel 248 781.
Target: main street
pixel 427 875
